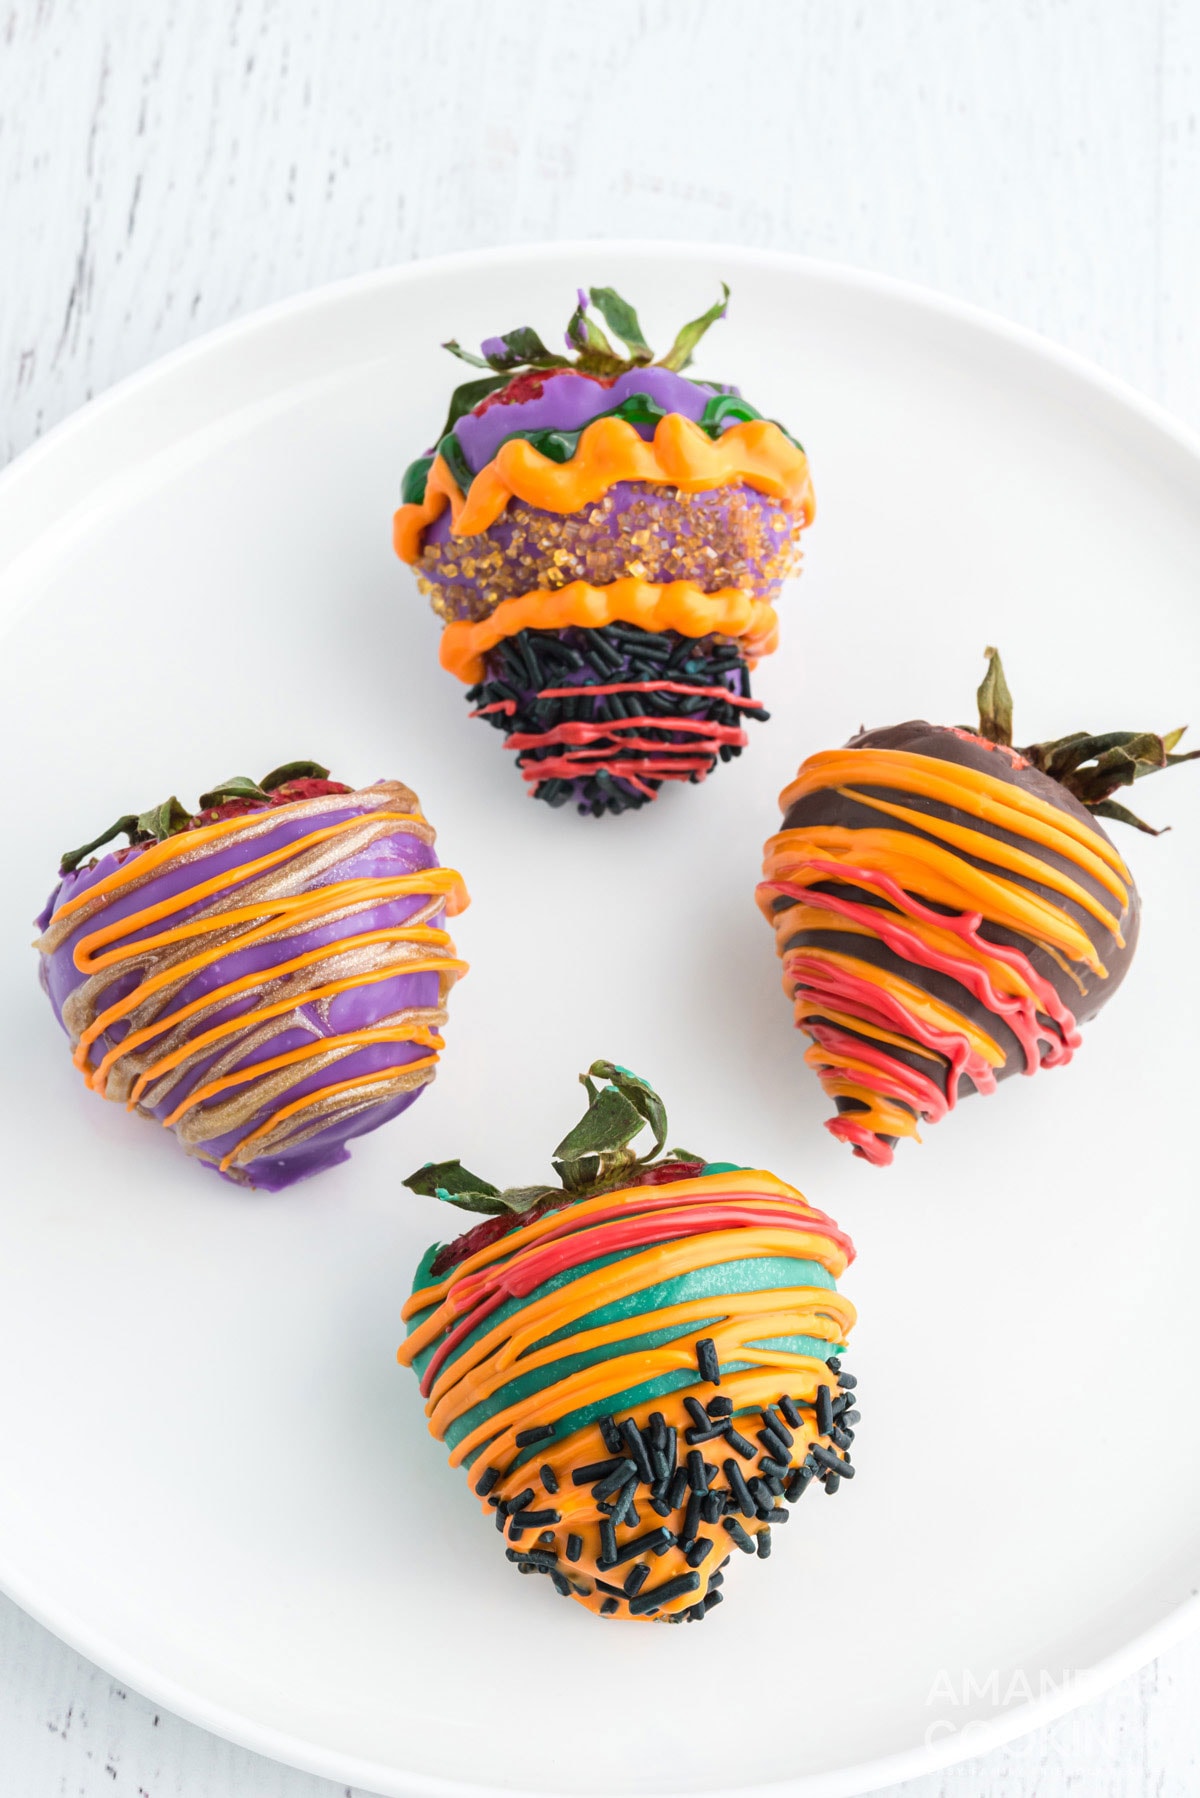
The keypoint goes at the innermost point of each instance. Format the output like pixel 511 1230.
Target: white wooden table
pixel 166 168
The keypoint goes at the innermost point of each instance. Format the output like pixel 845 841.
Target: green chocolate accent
pixel 412 487
pixel 560 446
pixel 750 1274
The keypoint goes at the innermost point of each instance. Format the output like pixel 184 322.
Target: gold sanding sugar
pixel 726 537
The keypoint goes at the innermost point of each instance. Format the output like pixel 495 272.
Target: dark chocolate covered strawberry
pixel 948 909
pixel 266 977
pixel 639 1367
pixel 603 537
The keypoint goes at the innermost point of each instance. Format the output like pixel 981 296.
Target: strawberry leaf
pixel 279 777
pixel 163 821
pixel 237 787
pixel 995 702
pixel 68 863
pixel 680 354
pixel 621 318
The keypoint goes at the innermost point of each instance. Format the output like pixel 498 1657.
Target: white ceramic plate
pixel 214 1480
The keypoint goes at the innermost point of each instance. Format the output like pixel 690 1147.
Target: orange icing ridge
pixel 676 606
pixel 932 902
pixel 265 899
pixel 674 1229
pixel 755 453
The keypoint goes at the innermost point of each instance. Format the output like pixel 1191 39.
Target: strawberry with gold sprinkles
pixel 604 538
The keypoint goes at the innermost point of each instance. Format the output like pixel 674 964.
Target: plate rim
pixel 293 1750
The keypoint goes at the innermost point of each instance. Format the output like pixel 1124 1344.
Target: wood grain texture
pixel 165 169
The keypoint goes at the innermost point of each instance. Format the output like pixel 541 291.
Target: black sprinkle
pixel 739 1445
pixel 848 1381
pixel 832 1482
pixel 712 1507
pixel 691 1520
pixel 660 1595
pixel 575 1546
pixel 670 1447
pixel 677 1488
pixel 603 1586
pixel 632 1438
pixel 518 1503
pixel 655 1543
pixel 625 1511
pixel 738 1534
pixel 610 1604
pixel 697 1475
pixel 608 1541
pixel 774 1422
pixel 825 1457
pixel 612 1436
pixel 620 1474
pixel 636 1579
pixel 791 1411
pixel 762 1496
pixel 712 1598
pixel 548 1477
pixel 702 1547
pixel 834 1364
pixel 739 1489
pixel 774 1470
pixel 719 1407
pixel 799 1481
pixel 487 1480
pixel 595 1470
pixel 535 1520
pixel 697 1412
pixel 776 1447
pixel 824 1411
pixel 710 1434
pixel 561 1583
pixel 706 1361
pixel 764 1543
pixel 541 1432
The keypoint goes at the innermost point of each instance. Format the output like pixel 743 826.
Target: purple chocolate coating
pixel 725 537
pixel 569 400
pixel 356 1009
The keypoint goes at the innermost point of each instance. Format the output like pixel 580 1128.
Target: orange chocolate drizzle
pixel 573 1489
pixel 929 888
pixel 266 898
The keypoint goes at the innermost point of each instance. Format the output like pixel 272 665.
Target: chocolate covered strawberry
pixel 266 977
pixel 949 910
pixel 639 1367
pixel 603 537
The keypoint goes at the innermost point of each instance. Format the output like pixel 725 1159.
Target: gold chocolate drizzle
pixel 265 899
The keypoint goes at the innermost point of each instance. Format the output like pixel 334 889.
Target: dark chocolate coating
pixel 917 737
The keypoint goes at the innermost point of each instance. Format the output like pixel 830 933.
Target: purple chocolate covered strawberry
pixel 603 537
pixel 266 978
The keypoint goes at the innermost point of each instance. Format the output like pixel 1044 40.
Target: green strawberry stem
pixel 170 817
pixel 592 1158
pixel 522 351
pixel 1092 768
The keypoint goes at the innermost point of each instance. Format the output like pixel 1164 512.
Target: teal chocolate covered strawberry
pixel 640 1367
